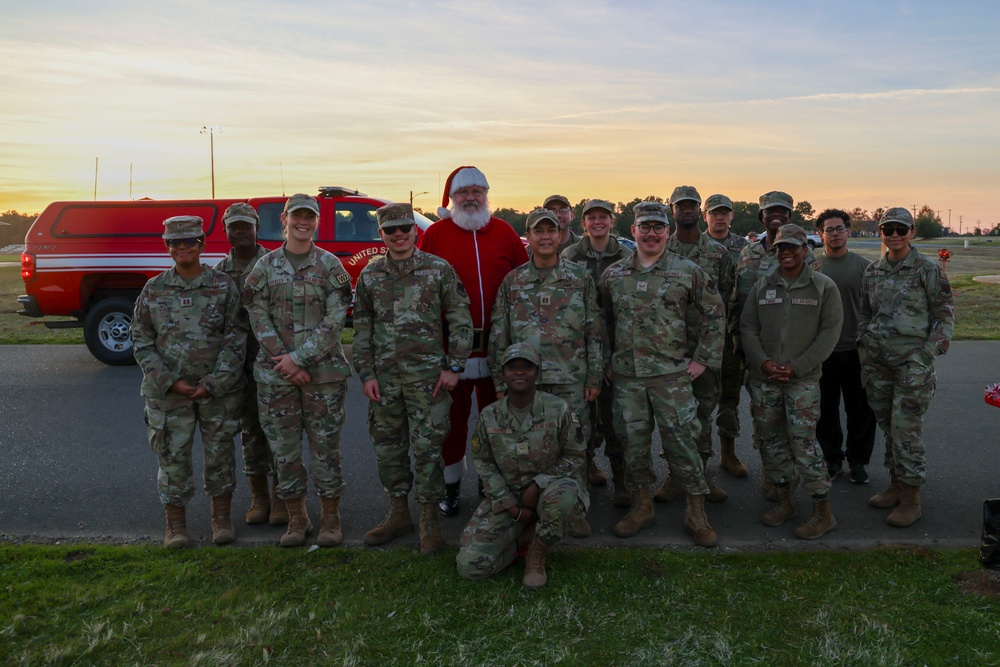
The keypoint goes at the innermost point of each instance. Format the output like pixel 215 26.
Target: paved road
pixel 76 466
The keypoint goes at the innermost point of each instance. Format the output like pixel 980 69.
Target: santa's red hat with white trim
pixel 463 177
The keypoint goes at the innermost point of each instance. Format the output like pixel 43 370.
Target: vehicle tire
pixel 106 331
pixel 812 245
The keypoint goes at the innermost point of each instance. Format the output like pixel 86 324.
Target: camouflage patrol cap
pixel 521 351
pixel 540 214
pixel 240 212
pixel 598 203
pixel 394 215
pixel 556 199
pixel 790 234
pixel 651 211
pixel 684 193
pixel 718 201
pixel 297 201
pixel 182 227
pixel 776 198
pixel 898 214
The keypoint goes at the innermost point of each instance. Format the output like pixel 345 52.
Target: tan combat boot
pixel 622 498
pixel 278 515
pixel 431 540
pixel 784 510
pixel 696 522
pixel 888 498
pixel 177 532
pixel 222 524
pixel 820 522
pixel 908 510
pixel 298 522
pixel 395 524
pixel 329 522
pixel 595 475
pixel 639 516
pixel 579 527
pixel 729 462
pixel 715 494
pixel 534 565
pixel 668 491
pixel 260 502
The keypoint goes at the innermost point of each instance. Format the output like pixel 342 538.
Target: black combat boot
pixel 449 506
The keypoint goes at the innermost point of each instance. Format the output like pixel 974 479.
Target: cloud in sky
pixel 847 103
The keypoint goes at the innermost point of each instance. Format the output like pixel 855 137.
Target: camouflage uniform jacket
pixel 798 325
pixel 734 243
pixel 596 262
pixel 652 313
pixel 546 446
pixel 713 258
pixel 906 310
pixel 558 315
pixel 755 262
pixel 299 312
pixel 231 266
pixel 398 326
pixel 193 331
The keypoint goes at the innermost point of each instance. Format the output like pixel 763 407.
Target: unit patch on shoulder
pixel 476 444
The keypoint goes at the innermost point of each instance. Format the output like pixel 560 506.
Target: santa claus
pixel 483 250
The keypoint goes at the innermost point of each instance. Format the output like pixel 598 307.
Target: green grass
pixel 108 605
pixel 10 258
pixel 976 308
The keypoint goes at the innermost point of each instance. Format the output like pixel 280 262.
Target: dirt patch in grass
pixel 984 583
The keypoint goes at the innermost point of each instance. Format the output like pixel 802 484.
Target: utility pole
pixel 414 196
pixel 914 211
pixel 97 161
pixel 959 225
pixel 211 131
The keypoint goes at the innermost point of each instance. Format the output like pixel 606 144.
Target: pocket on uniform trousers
pixel 442 409
pixel 156 428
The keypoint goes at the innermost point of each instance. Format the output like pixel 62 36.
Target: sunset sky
pixel 884 103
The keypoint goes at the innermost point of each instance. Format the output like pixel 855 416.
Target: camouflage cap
pixel 718 201
pixel 521 351
pixel 556 199
pixel 297 201
pixel 684 193
pixel 183 227
pixel 898 214
pixel 394 215
pixel 776 198
pixel 540 214
pixel 791 234
pixel 651 211
pixel 598 203
pixel 240 212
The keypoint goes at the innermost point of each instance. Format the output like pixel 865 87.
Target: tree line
pixel 14 226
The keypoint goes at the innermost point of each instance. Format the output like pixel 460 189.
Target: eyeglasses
pixel 656 229
pixel 187 243
pixel 840 229
pixel 898 230
pixel 389 231
pixel 465 193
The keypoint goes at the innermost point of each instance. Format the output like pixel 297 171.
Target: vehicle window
pixel 270 221
pixel 356 221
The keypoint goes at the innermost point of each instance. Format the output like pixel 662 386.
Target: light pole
pixel 211 131
pixel 414 196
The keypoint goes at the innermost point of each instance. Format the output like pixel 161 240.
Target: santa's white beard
pixel 470 219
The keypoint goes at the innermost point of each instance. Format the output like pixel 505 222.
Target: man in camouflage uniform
pixel 757 260
pixel 297 298
pixel 551 303
pixel 719 218
pixel 189 338
pixel 597 250
pixel 241 223
pixel 399 354
pixel 790 324
pixel 560 205
pixel 715 260
pixel 666 320
pixel 529 450
pixel 907 320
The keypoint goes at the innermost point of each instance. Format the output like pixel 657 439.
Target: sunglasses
pixel 786 248
pixel 898 230
pixel 187 243
pixel 389 231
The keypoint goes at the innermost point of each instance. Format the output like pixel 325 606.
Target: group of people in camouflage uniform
pixel 574 342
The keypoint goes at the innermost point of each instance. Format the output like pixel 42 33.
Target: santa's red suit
pixel 481 259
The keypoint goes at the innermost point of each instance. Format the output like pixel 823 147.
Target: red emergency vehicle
pixel 89 259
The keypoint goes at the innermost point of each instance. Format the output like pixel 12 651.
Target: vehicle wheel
pixel 812 245
pixel 106 330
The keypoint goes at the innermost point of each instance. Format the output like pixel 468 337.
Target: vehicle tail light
pixel 27 267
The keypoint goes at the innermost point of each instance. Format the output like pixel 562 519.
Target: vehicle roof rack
pixel 338 191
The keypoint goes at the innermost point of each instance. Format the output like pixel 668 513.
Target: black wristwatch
pixel 456 369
